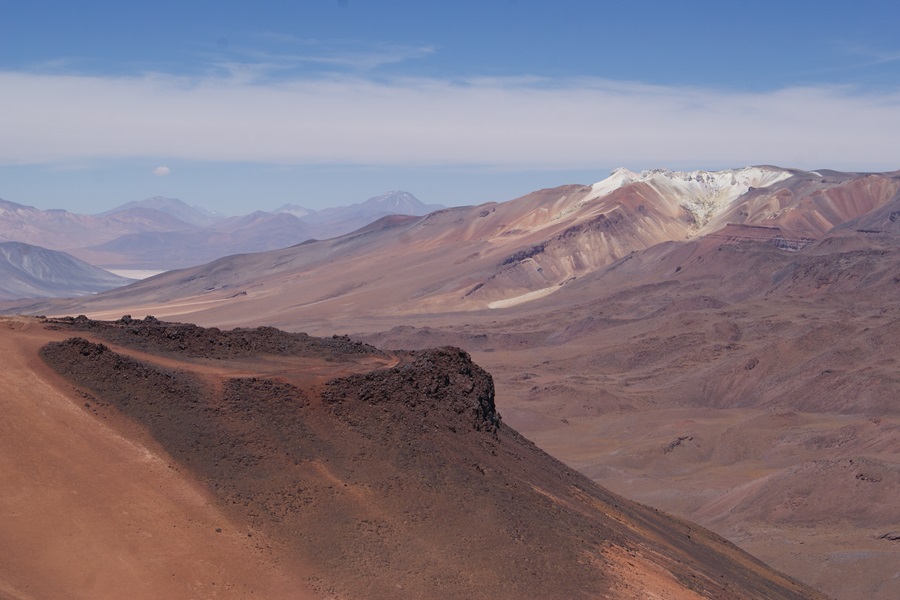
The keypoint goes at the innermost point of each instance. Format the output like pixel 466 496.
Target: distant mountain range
pixel 28 271
pixel 499 255
pixel 193 215
pixel 165 233
pixel 344 219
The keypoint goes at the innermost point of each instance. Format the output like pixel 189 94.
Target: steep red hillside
pixel 400 482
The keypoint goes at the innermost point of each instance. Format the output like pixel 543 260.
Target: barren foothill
pixel 396 482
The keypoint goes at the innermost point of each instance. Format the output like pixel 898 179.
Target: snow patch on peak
pixel 617 178
pixel 701 193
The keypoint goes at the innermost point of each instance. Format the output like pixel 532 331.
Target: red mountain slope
pixel 395 483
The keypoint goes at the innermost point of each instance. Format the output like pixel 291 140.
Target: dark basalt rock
pixel 152 335
pixel 439 385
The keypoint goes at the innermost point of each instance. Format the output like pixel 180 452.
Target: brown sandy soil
pixel 87 512
pixel 774 422
pixel 397 483
pixel 784 504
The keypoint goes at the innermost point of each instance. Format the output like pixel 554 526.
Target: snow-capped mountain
pixel 701 193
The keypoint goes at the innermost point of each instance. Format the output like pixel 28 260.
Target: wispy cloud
pixel 346 56
pixel 855 56
pixel 289 55
pixel 881 58
pixel 522 123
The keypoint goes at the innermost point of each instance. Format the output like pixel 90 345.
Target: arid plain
pixel 721 347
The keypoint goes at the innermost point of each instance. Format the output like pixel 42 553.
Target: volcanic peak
pixel 700 193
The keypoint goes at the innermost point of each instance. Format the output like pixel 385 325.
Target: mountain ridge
pixel 160 233
pixel 31 272
pixel 193 215
pixel 502 254
pixel 395 479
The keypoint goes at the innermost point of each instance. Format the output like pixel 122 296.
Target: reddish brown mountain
pixel 341 470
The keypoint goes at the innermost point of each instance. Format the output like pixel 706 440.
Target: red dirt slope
pixel 393 483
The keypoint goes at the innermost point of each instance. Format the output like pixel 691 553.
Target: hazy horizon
pixel 233 108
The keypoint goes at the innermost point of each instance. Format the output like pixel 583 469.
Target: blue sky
pixel 238 106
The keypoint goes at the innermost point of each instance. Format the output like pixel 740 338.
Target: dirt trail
pixel 306 373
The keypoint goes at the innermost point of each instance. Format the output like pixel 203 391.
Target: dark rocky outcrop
pixel 439 387
pixel 185 339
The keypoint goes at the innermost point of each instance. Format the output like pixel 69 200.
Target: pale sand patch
pixel 135 273
pixel 157 310
pixel 506 303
